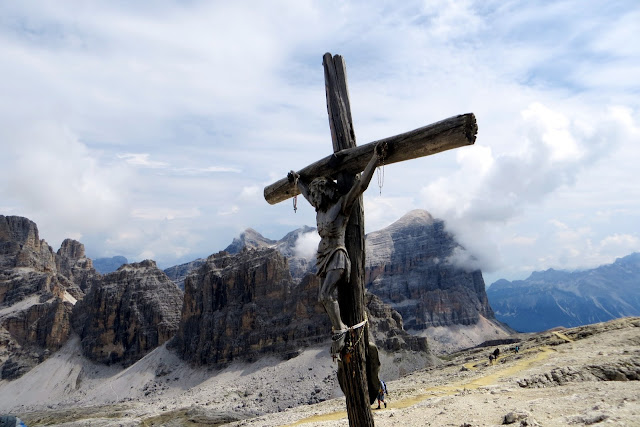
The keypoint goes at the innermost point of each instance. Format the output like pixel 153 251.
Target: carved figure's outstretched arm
pixel 303 187
pixel 360 185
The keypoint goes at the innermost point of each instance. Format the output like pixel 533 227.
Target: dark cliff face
pixel 37 291
pixel 387 328
pixel 410 267
pixel 72 263
pixel 129 313
pixel 245 305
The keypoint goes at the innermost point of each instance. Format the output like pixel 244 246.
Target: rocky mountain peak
pixel 19 230
pixel 551 298
pixel 37 291
pixel 416 217
pixel 71 249
pixel 130 312
pixel 407 267
pixel 20 245
pixel 249 239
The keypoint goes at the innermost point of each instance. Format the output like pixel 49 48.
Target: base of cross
pixel 353 345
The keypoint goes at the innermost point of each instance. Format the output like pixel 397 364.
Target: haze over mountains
pixel 552 298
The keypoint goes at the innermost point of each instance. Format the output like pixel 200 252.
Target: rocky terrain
pixel 246 305
pixel 581 376
pixel 127 314
pixel 38 288
pixel 412 266
pixel 248 337
pixel 561 298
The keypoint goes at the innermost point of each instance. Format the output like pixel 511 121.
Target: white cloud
pixel 61 184
pixel 163 213
pixel 200 120
pixel 141 159
pixel 620 243
pixel 307 245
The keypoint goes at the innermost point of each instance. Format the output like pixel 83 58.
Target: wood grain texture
pixel 454 132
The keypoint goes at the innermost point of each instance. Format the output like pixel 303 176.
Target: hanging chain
pixel 380 171
pixel 295 198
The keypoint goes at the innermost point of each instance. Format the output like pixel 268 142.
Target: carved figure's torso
pixel 332 225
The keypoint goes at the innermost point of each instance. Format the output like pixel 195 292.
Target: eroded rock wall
pixel 130 312
pixel 411 266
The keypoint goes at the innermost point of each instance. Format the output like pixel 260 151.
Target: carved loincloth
pixel 335 259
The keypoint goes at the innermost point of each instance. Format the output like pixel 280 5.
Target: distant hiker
pixel 496 353
pixel 491 358
pixel 517 349
pixel 11 421
pixel 381 392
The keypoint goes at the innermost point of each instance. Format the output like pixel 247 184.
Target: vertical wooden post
pixel 352 369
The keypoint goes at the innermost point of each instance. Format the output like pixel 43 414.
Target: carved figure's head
pixel 323 192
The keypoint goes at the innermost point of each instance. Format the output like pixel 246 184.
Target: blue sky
pixel 149 130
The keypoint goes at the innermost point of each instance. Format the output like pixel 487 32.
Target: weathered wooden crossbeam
pixel 447 134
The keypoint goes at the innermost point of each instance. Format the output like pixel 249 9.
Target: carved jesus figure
pixel 332 214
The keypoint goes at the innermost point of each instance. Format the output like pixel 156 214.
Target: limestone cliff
pixel 245 305
pixel 37 291
pixel 72 263
pixel 300 263
pixel 130 312
pixel 410 267
pixel 240 306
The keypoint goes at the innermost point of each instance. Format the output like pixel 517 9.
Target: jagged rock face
pixel 37 291
pixel 132 311
pixel 244 305
pixel 74 265
pixel 20 245
pixel 388 330
pixel 46 325
pixel 299 264
pixel 408 265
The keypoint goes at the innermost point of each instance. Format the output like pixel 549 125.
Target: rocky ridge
pixel 551 298
pixel 409 266
pixel 38 289
pixel 246 305
pixel 129 313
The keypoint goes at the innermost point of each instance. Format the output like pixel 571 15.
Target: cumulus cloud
pixel 491 189
pixel 121 121
pixel 62 184
pixel 307 245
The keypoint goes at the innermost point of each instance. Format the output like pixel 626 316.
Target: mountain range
pixel 553 298
pixel 254 304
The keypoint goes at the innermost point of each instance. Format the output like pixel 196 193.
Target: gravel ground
pixel 580 376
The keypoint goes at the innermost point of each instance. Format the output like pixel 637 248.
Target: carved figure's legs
pixel 330 303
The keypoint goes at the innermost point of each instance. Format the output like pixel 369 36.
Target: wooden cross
pixel 358 370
